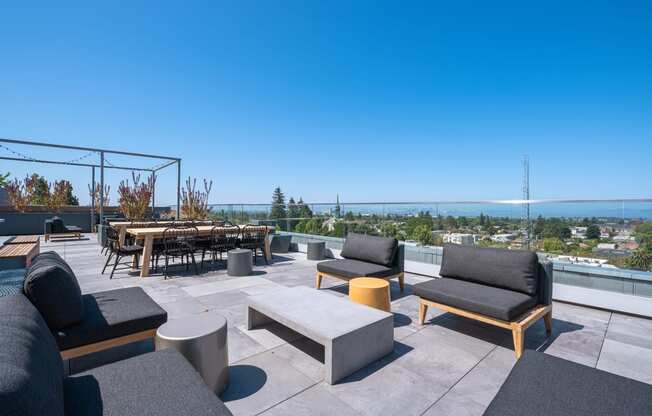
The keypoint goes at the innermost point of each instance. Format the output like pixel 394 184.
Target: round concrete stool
pixel 371 292
pixel 239 262
pixel 202 340
pixel 316 250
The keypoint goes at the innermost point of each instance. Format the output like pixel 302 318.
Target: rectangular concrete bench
pixel 353 335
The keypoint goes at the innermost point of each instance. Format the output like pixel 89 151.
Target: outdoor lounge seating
pixel 544 385
pixel 56 228
pixel 365 256
pixel 82 324
pixel 510 289
pixel 32 379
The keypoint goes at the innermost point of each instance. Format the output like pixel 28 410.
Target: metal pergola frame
pixel 101 152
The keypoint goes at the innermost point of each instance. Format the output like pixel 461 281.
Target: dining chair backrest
pixel 225 237
pixel 180 238
pixel 112 238
pixel 253 234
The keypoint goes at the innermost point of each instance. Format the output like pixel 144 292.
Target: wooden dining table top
pixel 201 229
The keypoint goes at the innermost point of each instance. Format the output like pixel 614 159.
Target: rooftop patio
pixel 451 365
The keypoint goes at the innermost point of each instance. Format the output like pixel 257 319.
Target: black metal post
pixel 101 187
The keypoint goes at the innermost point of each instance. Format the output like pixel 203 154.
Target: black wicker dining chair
pixel 117 252
pixel 223 238
pixel 180 242
pixel 252 237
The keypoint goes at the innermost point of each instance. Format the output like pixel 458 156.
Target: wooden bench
pixel 17 256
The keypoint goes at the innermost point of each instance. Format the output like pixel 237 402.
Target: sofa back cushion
pixel 31 371
pixel 372 249
pixel 507 269
pixel 52 287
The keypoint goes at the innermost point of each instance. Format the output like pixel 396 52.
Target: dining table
pixel 122 225
pixel 146 237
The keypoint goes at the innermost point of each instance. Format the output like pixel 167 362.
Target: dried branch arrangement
pixel 194 203
pixel 134 200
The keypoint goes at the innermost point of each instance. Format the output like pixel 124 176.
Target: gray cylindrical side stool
pixel 239 262
pixel 202 340
pixel 316 250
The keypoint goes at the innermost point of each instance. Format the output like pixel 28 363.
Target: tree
pixel 539 226
pixel 639 260
pixel 423 234
pixel 4 180
pixel 593 232
pixel 278 205
pixel 304 210
pixel 553 244
pixel 38 188
pixel 293 210
pixel 451 223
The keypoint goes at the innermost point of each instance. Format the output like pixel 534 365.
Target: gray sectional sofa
pixel 365 256
pixel 52 318
pixel 510 289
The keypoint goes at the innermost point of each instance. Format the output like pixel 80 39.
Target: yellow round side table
pixel 371 292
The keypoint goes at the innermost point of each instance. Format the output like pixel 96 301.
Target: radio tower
pixel 525 214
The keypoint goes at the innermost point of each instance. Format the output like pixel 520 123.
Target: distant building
pixel 578 232
pixel 584 261
pixel 503 238
pixel 606 246
pixel 459 238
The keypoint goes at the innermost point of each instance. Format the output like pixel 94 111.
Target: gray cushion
pixel 507 269
pixel 112 314
pixel 31 371
pixel 52 287
pixel 159 383
pixel 486 300
pixel 543 385
pixel 354 268
pixel 372 249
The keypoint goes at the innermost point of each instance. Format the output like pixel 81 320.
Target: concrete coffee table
pixel 202 340
pixel 352 335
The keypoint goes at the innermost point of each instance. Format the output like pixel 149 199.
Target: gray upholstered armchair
pixel 511 289
pixel 365 256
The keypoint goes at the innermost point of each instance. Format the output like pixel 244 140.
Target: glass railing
pixel 607 236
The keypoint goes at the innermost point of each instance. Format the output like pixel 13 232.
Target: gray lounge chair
pixel 56 227
pixel 510 289
pixel 32 381
pixel 365 256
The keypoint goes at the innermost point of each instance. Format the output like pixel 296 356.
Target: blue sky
pixel 372 100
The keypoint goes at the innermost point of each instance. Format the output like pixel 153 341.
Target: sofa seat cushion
pixel 507 269
pixel 543 385
pixel 31 371
pixel 158 383
pixel 112 314
pixel 503 304
pixel 354 268
pixel 369 248
pixel 52 287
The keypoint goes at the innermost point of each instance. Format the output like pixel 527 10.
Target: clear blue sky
pixel 372 100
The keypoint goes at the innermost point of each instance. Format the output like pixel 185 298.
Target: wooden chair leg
pixel 401 281
pixel 423 309
pixel 547 320
pixel 518 335
pixel 318 280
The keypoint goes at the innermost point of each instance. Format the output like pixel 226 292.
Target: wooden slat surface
pixel 24 239
pixel 17 250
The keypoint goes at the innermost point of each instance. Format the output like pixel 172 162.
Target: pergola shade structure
pixel 166 161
